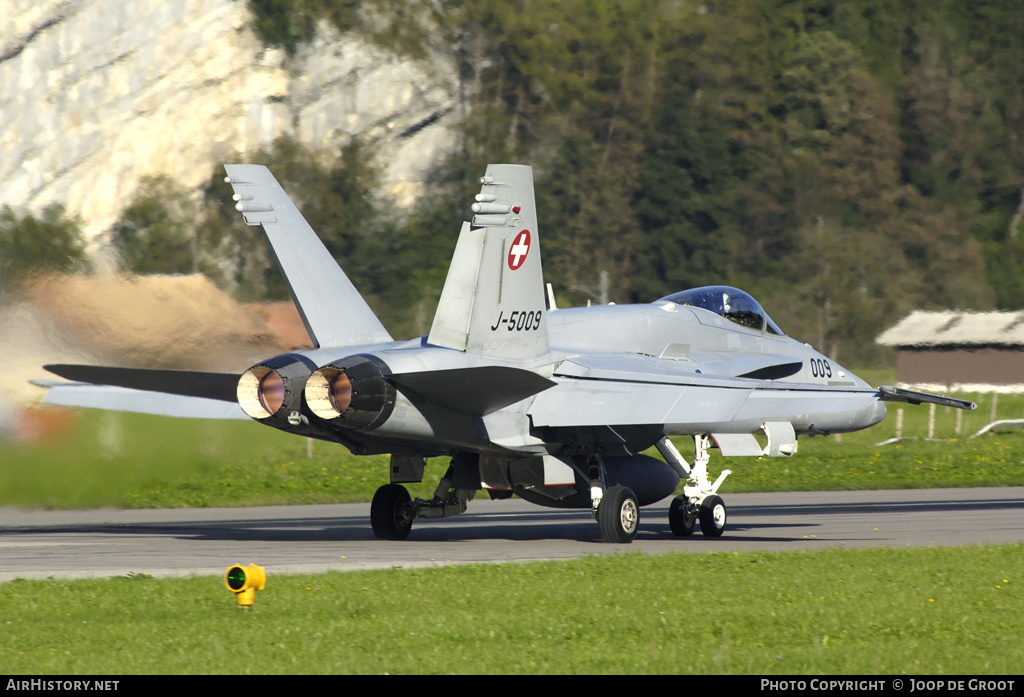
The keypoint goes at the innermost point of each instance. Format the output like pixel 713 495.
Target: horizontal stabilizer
pixel 474 391
pixel 887 393
pixel 219 386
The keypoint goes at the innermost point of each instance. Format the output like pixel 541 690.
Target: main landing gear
pixel 616 508
pixel 393 510
pixel 700 500
pixel 618 515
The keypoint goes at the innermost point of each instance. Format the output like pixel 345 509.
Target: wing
pixel 80 394
pixel 331 308
pixel 165 392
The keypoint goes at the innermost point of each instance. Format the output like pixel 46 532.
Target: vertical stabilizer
pixel 493 298
pixel 331 308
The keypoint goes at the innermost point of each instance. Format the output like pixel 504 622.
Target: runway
pixel 309 539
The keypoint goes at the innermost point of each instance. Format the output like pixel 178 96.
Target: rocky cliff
pixel 99 93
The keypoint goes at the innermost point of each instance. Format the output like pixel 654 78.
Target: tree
pixel 845 161
pixel 712 202
pixel 156 232
pixel 31 245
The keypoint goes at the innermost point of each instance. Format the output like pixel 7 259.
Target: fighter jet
pixel 553 405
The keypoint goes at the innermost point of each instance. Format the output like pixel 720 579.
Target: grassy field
pixel 139 461
pixel 136 461
pixel 870 612
pixel 873 611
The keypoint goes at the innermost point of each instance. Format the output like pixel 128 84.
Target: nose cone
pixel 879 412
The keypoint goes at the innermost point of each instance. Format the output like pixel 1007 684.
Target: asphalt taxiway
pixel 308 539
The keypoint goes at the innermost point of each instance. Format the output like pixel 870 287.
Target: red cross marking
pixel 517 253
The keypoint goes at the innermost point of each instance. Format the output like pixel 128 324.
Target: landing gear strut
pixel 699 500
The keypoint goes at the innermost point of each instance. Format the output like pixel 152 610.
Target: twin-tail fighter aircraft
pixel 553 405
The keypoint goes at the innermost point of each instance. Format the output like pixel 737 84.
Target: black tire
pixel 618 515
pixel 679 519
pixel 712 516
pixel 386 517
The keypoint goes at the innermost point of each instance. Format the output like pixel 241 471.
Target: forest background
pixel 844 161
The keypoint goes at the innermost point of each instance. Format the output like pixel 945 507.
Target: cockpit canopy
pixel 732 303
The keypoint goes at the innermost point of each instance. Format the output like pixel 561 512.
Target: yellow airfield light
pixel 244 581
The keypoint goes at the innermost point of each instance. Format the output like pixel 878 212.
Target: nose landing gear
pixel 699 500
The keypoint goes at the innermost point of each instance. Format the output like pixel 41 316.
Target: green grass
pixel 139 461
pixel 830 466
pixel 874 611
pixel 856 461
pixel 871 611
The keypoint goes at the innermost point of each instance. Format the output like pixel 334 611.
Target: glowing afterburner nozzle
pixel 328 392
pixel 271 391
pixel 352 392
pixel 260 392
